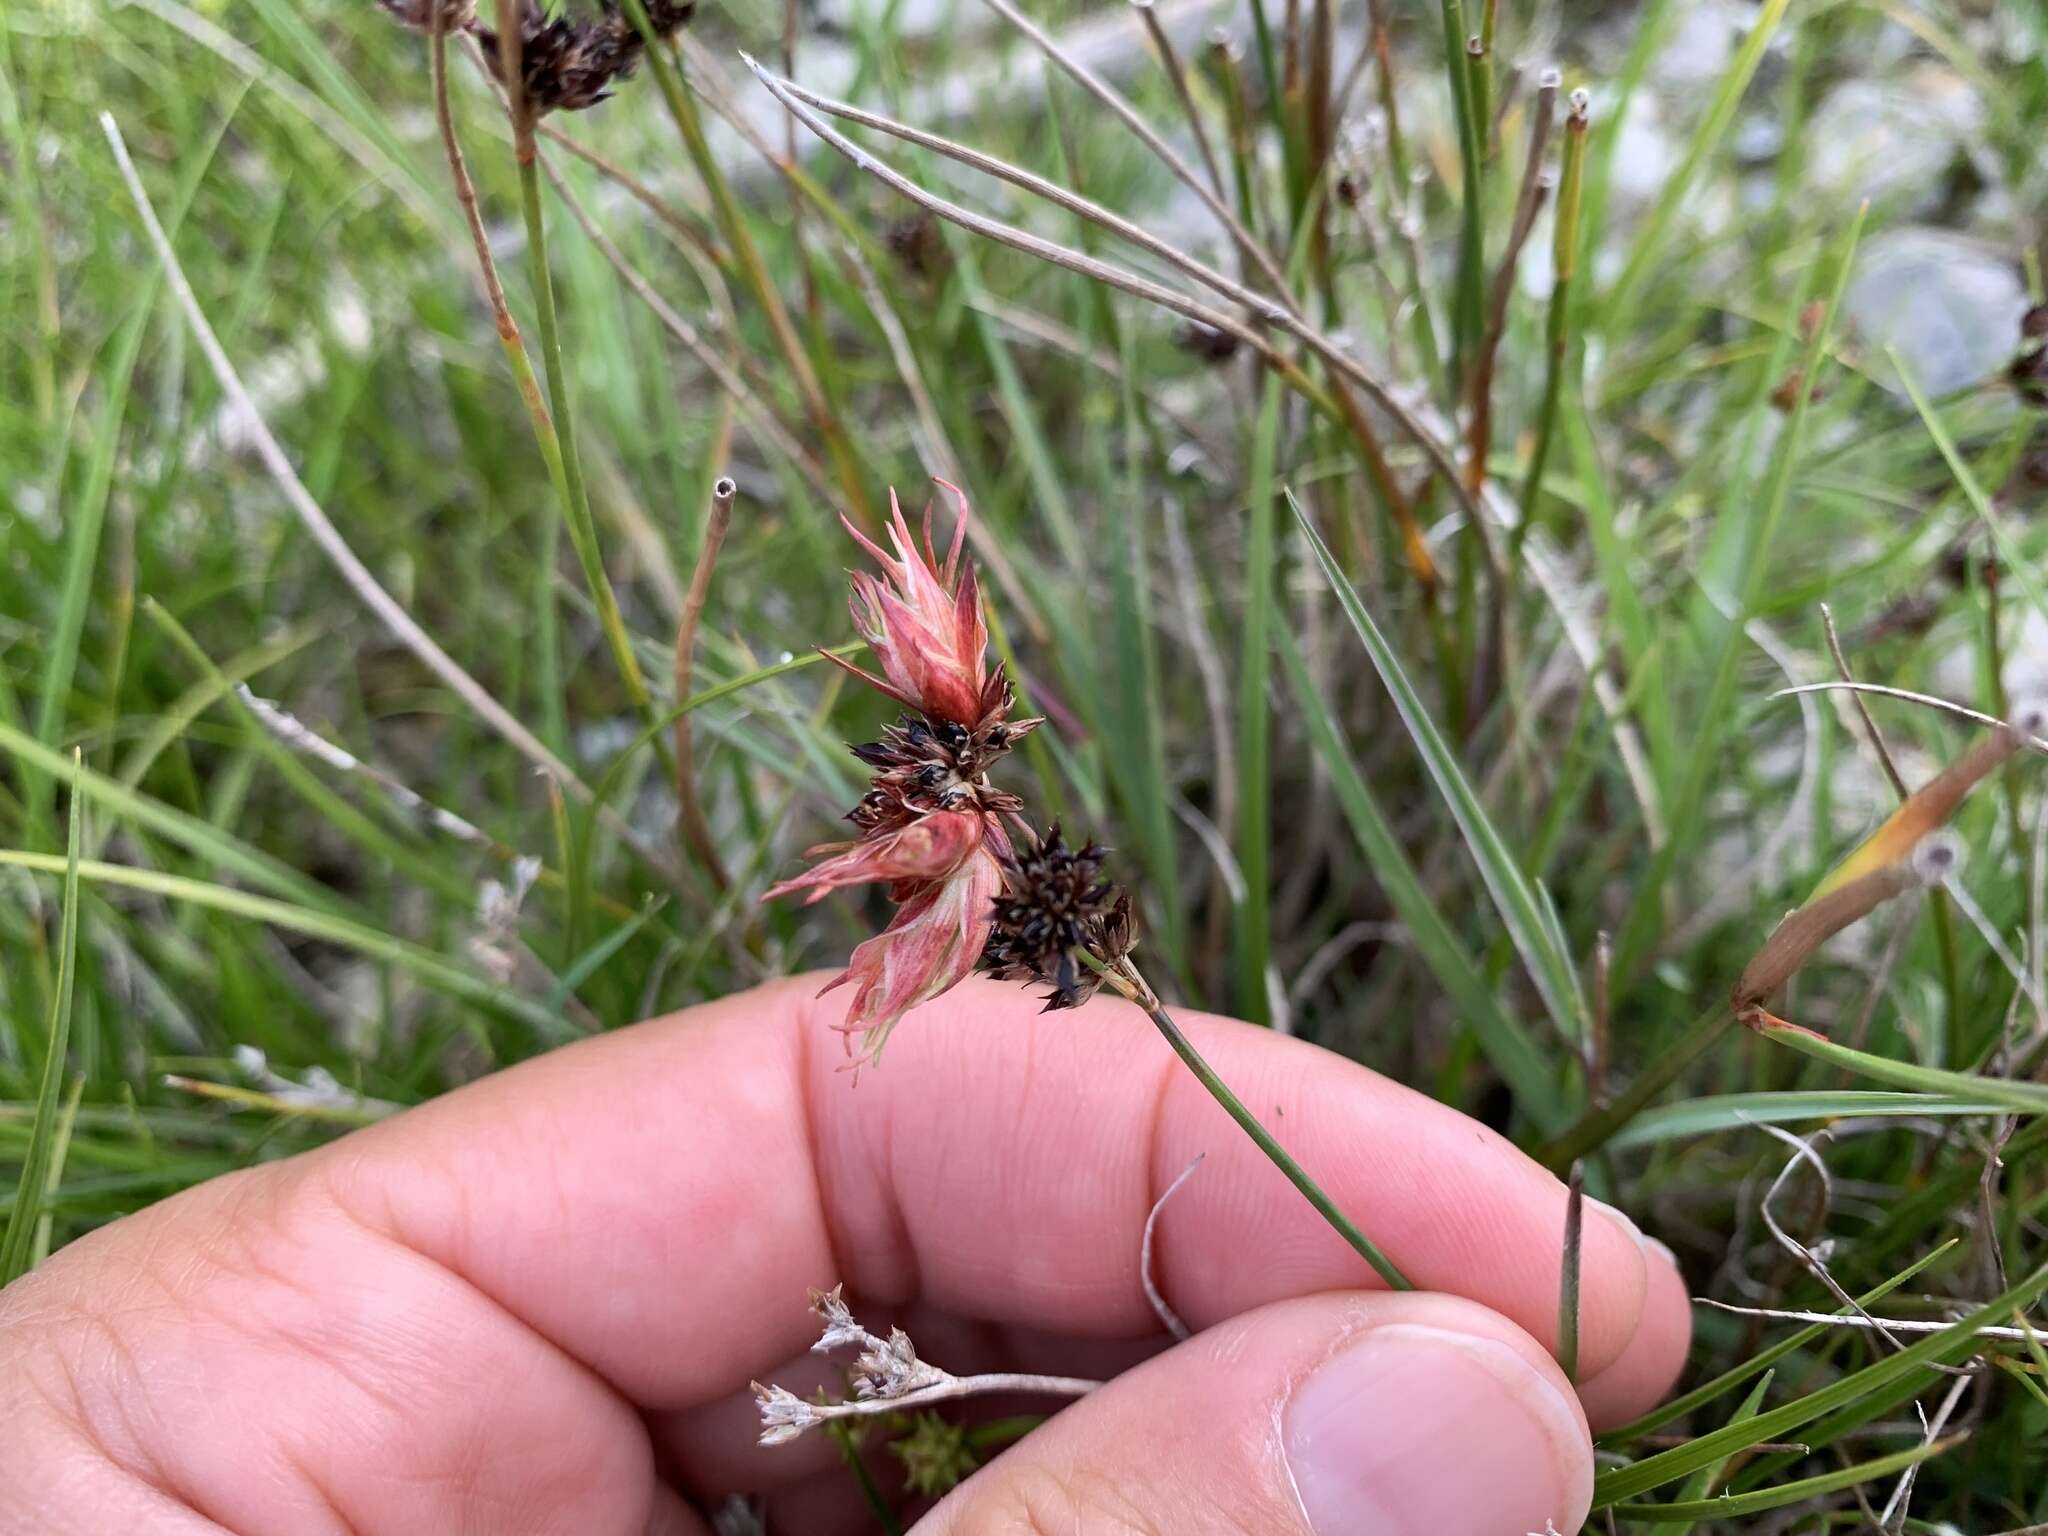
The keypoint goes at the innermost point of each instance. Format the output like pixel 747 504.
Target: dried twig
pixel 299 736
pixel 1479 396
pixel 2027 724
pixel 1169 60
pixel 1877 743
pixel 1902 1325
pixel 800 101
pixel 1132 119
pixel 1895 1506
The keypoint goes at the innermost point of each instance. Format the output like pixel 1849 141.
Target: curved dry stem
pixel 800 101
pixel 2026 739
pixel 1169 60
pixel 1130 117
pixel 1169 1319
pixel 317 523
pixel 760 419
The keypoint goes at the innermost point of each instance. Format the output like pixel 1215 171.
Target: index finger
pixel 658 1201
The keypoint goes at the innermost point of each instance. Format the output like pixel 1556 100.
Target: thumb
pixel 1347 1414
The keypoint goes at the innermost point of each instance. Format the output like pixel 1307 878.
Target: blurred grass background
pixel 1791 370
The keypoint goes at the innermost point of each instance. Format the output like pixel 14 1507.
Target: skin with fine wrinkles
pixel 534 1305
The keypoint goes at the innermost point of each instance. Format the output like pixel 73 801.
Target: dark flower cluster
pixel 933 829
pixel 566 63
pixel 923 765
pixel 1055 901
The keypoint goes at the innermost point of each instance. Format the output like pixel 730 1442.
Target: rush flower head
pixel 923 620
pixel 568 63
pixel 1055 902
pixel 930 823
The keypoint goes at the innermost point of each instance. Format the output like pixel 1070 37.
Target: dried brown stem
pixel 317 523
pixel 1130 117
pixel 465 189
pixel 1383 60
pixel 1877 743
pixel 1479 397
pixel 1169 60
pixel 1799 935
pixel 1280 313
pixel 1389 490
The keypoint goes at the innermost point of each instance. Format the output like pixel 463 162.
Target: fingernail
pixel 1643 1240
pixel 1381 1440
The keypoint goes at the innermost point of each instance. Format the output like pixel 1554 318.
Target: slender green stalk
pixel 1125 979
pixel 1479 66
pixel 1601 1122
pixel 1253 948
pixel 1754 569
pixel 17 1243
pixel 1564 259
pixel 582 527
pixel 732 223
pixel 1467 312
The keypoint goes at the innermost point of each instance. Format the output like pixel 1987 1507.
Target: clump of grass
pixel 1447 599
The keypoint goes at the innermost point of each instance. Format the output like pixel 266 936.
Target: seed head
pixel 923 765
pixel 568 63
pixel 1055 901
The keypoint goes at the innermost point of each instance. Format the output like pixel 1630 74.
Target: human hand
pixel 535 1305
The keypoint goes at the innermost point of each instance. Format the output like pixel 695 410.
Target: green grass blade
pixel 1697 1485
pixel 1763 1360
pixel 1730 1506
pixel 2011 557
pixel 60 1147
pixel 1135 687
pixel 1740 1111
pixel 1514 897
pixel 1500 1035
pixel 1254 937
pixel 2011 1094
pixel 1706 139
pixel 587 964
pixel 200 838
pixel 1936 1348
pixel 1752 571
pixel 428 967
pixel 33 1186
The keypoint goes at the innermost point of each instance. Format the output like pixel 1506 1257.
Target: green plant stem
pixel 1564 258
pixel 732 224
pixel 1125 979
pixel 1467 316
pixel 582 527
pixel 1598 1124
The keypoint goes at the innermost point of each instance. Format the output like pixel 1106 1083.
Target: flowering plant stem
pixel 555 429
pixel 1124 979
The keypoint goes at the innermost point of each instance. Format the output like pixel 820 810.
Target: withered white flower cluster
pixel 885 1371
